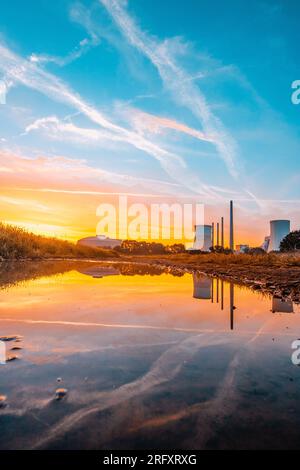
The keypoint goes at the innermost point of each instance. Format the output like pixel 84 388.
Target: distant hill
pixel 17 243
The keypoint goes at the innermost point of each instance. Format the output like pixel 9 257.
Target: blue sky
pixel 176 97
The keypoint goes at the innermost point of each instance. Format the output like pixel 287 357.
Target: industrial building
pixel 242 248
pixel 100 241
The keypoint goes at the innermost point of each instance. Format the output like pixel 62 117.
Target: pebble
pixel 60 393
pixel 12 358
pixel 10 338
pixel 3 401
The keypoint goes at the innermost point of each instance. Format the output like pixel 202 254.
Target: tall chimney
pixel 222 232
pixel 231 226
pixel 212 234
pixel 218 230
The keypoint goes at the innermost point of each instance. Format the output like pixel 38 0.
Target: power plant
pixel 205 236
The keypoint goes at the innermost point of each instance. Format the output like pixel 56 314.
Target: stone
pixel 60 393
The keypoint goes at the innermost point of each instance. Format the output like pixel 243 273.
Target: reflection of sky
pixel 121 338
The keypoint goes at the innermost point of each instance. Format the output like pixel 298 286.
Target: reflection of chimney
pixel 231 304
pixel 231 226
pixel 217 290
pixel 222 294
pixel 222 232
pixel 283 306
pixel 202 287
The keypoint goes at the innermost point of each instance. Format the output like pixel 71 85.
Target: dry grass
pixel 17 243
pixel 267 260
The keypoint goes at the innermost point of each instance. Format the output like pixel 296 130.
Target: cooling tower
pixel 203 237
pixel 278 230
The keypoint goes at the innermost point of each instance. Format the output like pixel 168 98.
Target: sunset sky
pixel 169 101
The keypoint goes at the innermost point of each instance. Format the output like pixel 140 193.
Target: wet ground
pixel 147 360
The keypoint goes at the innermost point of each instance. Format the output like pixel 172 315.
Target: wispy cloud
pixel 62 173
pixel 31 75
pixel 176 80
pixel 80 16
pixel 146 122
pixel 83 47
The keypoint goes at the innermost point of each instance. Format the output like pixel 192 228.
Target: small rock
pixel 12 358
pixel 3 399
pixel 59 379
pixel 16 348
pixel 60 393
pixel 10 338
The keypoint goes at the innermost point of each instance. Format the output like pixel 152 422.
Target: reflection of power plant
pixel 213 289
pixel 282 306
pixel 210 288
pixel 202 287
pixel 98 272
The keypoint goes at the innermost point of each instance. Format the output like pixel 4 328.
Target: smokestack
pixel 222 232
pixel 231 226
pixel 213 234
pixel 218 230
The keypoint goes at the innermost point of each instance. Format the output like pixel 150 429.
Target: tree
pixel 257 250
pixel 291 242
pixel 220 249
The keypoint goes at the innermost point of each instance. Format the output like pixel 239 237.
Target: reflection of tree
pixel 129 269
pixel 14 272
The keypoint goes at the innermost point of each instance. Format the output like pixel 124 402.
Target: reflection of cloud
pixel 167 366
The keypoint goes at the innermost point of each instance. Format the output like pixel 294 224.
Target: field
pixel 16 243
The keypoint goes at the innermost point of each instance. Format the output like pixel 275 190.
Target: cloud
pixel 155 124
pixel 63 130
pixel 83 47
pixel 5 85
pixel 80 16
pixel 176 80
pixel 66 174
pixel 31 75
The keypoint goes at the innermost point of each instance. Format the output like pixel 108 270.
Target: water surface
pixel 149 359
